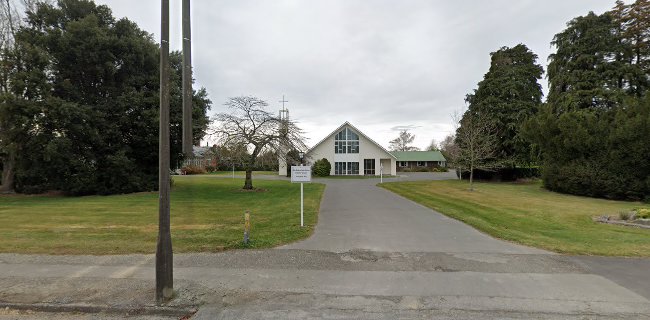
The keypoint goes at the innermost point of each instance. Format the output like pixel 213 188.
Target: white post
pixel 302 194
pixel 381 173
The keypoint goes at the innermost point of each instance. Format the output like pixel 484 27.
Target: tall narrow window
pixel 340 168
pixel 369 167
pixel 353 168
pixel 346 168
pixel 346 141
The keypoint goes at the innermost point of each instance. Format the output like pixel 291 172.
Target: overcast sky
pixel 381 65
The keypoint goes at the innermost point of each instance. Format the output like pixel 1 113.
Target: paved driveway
pixel 356 214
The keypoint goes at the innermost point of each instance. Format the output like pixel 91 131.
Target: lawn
pixel 206 215
pixel 533 216
pixel 243 173
pixel 352 177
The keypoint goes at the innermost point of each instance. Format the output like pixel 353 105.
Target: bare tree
pixel 249 124
pixel 433 145
pixel 10 20
pixel 403 141
pixel 476 142
pixel 449 149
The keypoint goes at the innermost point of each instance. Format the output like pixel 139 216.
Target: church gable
pixel 351 152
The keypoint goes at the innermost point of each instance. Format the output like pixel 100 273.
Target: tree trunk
pixel 8 173
pixel 471 178
pixel 248 184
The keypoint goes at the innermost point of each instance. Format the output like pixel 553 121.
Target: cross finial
pixel 283 101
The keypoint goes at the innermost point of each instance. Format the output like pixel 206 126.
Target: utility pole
pixel 187 80
pixel 164 259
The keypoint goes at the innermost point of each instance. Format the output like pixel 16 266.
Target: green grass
pixel 349 177
pixel 243 173
pixel 354 177
pixel 206 215
pixel 533 216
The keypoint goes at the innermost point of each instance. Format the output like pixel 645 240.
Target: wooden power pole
pixel 164 259
pixel 187 80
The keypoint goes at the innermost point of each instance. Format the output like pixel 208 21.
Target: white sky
pixel 380 64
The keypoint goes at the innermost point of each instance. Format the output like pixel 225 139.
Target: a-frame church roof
pixel 357 131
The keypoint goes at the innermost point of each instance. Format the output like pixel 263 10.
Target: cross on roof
pixel 283 101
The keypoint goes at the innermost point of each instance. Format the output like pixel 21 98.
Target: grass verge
pixel 530 215
pixel 243 173
pixel 206 215
pixel 352 177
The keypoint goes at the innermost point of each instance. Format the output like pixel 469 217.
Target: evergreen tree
pixel 507 96
pixel 87 86
pixel 588 70
pixel 592 132
pixel 633 22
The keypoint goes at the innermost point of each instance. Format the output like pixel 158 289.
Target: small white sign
pixel 300 173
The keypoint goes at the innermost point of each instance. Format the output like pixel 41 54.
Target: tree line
pixel 590 136
pixel 79 101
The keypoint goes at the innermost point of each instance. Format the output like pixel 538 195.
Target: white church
pixel 350 152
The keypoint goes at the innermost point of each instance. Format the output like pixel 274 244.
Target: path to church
pixel 374 255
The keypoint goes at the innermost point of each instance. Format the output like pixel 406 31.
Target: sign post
pixel 301 174
pixel 381 173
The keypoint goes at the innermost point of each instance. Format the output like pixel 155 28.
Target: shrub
pixel 321 168
pixel 210 168
pixel 642 213
pixel 193 170
pixel 626 215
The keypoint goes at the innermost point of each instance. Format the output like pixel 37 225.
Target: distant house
pixel 350 152
pixel 202 157
pixel 417 160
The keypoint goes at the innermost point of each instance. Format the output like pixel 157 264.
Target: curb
pixel 137 310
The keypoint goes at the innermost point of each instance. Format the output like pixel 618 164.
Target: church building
pixel 350 152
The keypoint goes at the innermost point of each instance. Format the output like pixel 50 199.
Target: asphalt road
pixel 374 255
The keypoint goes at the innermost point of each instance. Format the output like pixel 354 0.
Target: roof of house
pixel 357 131
pixel 419 156
pixel 199 151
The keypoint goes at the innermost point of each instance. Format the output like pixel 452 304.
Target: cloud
pixel 405 128
pixel 378 64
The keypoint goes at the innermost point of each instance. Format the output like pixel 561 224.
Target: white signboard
pixel 300 174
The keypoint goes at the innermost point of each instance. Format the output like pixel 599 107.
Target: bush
pixel 626 215
pixel 193 170
pixel 210 168
pixel 642 213
pixel 439 169
pixel 596 152
pixel 321 168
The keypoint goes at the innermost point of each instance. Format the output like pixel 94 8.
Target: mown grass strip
pixel 530 215
pixel 206 215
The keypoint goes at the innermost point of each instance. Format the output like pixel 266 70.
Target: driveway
pixel 356 214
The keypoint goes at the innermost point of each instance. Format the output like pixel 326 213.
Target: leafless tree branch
pixel 476 142
pixel 248 124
